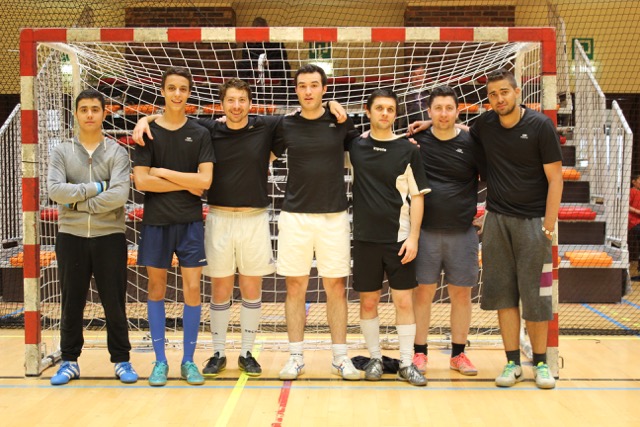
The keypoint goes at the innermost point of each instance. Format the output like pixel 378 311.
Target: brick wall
pixel 460 16
pixel 180 17
pixel 220 55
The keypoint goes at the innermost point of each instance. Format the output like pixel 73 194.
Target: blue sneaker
pixel 68 371
pixel 158 376
pixel 189 371
pixel 126 373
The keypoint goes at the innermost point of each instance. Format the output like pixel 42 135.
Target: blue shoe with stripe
pixel 125 373
pixel 68 371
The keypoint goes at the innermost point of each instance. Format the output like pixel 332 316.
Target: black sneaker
pixel 249 365
pixel 215 365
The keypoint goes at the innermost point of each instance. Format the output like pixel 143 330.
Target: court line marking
pixel 528 386
pixel 608 318
pixel 236 392
pixel 283 399
pixel 632 304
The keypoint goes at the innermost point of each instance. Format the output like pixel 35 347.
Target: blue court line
pixel 20 310
pixel 320 387
pixel 610 319
pixel 634 305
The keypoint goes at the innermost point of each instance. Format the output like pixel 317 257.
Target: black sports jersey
pixel 180 150
pixel 516 182
pixel 452 169
pixel 386 173
pixel 315 158
pixel 242 162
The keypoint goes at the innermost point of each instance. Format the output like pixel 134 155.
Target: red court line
pixel 282 403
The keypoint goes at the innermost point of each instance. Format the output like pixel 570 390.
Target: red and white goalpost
pixel 126 64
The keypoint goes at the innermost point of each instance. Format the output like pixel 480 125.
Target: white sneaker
pixel 292 369
pixel 345 369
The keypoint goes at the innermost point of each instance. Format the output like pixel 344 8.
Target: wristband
pixel 547 232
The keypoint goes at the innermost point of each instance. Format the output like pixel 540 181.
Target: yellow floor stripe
pixel 230 406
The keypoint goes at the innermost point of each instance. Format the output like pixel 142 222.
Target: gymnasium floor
pixel 599 385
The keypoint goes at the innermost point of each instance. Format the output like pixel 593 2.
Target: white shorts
pixel 238 240
pixel 302 234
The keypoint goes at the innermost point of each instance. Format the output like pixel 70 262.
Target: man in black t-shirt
pixel 524 188
pixel 448 239
pixel 314 219
pixel 173 170
pixel 389 185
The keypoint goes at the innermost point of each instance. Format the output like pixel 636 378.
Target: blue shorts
pixel 158 243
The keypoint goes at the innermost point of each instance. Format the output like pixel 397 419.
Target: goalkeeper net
pixel 126 65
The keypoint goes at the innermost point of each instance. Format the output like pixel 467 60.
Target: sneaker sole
pixel 127 381
pixel 211 375
pixel 399 378
pixel 157 384
pixel 251 374
pixel 193 382
pixel 518 379
pixel 372 378
pixel 352 377
pixel 467 373
pixel 287 377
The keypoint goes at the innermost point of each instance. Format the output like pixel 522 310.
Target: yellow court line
pixel 232 401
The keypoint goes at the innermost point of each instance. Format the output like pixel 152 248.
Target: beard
pixel 507 112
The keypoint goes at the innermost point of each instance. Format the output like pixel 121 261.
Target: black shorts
pixel 371 261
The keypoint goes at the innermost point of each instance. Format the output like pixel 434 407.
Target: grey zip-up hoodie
pixel 71 179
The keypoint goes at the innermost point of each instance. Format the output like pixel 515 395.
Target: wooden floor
pixel 599 386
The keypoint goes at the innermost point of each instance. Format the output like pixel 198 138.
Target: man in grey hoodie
pixel 89 179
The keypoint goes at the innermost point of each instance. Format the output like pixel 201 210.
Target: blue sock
pixel 190 327
pixel 157 321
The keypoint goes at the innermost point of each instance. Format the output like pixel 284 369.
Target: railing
pixel 10 179
pixel 621 142
pixel 603 153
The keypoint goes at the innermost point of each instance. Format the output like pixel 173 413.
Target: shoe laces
pixel 462 360
pixel 125 367
pixel 68 367
pixel 542 369
pixel 249 360
pixel 509 369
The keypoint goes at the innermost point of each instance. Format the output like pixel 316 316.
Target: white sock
pixel 219 320
pixel 371 330
pixel 249 322
pixel 296 349
pixel 339 352
pixel 406 336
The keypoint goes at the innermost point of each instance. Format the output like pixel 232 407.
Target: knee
pixel 424 294
pixel 368 304
pixel 404 303
pixel 459 295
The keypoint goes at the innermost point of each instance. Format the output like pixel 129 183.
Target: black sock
pixel 537 358
pixel 513 356
pixel 456 349
pixel 421 348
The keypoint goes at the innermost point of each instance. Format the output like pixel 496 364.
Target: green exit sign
pixel 587 45
pixel 319 50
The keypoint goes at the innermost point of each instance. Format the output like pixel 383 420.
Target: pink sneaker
pixel 420 360
pixel 462 364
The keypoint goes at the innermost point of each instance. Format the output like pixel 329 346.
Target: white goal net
pixel 128 74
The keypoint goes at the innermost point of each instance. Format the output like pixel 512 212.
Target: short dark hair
pixel 234 83
pixel 502 74
pixel 179 71
pixel 310 69
pixel 259 21
pixel 442 91
pixel 381 93
pixel 90 94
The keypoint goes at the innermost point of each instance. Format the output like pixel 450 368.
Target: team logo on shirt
pixel 524 136
pixel 188 139
pixel 332 125
pixel 459 150
pixel 379 149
